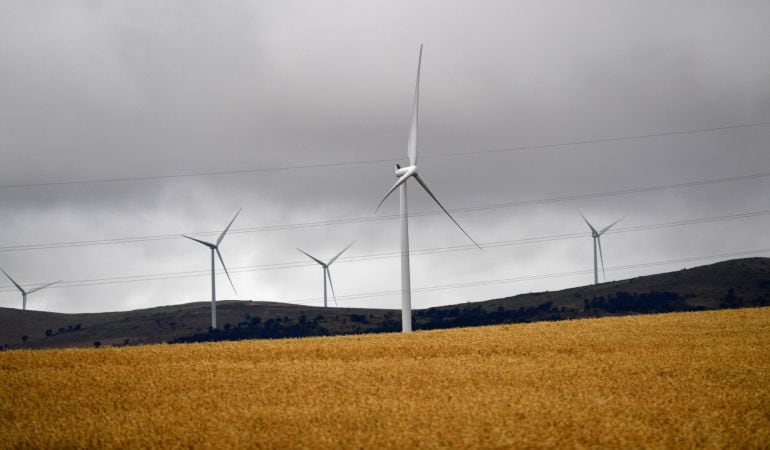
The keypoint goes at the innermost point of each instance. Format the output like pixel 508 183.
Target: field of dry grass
pixel 674 380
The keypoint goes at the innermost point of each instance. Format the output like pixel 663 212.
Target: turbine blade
pixel 222 236
pixel 609 226
pixel 340 253
pixel 425 186
pixel 400 181
pixel 13 281
pixel 331 285
pixel 312 257
pixel 43 287
pixel 587 222
pixel 411 147
pixel 226 272
pixel 207 244
pixel 601 255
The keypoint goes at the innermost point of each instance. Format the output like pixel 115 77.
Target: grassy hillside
pixel 736 283
pixel 674 380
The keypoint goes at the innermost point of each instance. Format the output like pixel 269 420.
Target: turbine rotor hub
pixel 401 171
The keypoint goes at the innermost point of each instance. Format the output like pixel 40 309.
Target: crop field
pixel 674 380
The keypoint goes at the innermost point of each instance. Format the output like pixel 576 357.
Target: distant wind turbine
pixel 327 273
pixel 24 293
pixel 215 249
pixel 403 174
pixel 596 235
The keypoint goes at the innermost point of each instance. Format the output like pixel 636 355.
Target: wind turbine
pixel 215 249
pixel 25 293
pixel 596 235
pixel 327 273
pixel 403 174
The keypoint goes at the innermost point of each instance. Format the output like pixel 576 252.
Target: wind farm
pixel 403 174
pixel 381 294
pixel 289 137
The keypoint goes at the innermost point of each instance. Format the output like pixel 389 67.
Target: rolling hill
pixel 727 284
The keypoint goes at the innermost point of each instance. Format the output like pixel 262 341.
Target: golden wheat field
pixel 673 380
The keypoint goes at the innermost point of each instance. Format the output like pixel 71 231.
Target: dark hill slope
pixel 704 286
pixel 726 284
pixel 152 325
pixel 735 283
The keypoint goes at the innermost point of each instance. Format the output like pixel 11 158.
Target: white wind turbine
pixel 596 235
pixel 215 249
pixel 24 293
pixel 327 273
pixel 403 174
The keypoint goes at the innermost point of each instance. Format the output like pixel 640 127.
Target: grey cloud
pixel 124 89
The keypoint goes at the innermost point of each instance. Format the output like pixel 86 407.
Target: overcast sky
pixel 93 90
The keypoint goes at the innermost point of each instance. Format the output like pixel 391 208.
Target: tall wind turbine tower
pixel 327 273
pixel 596 235
pixel 403 174
pixel 215 249
pixel 24 293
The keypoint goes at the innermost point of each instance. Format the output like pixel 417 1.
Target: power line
pixel 525 278
pixel 603 140
pixel 377 161
pixel 661 187
pixel 366 295
pixel 387 255
pixel 158 237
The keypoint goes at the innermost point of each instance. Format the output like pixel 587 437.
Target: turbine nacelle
pixel 408 171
